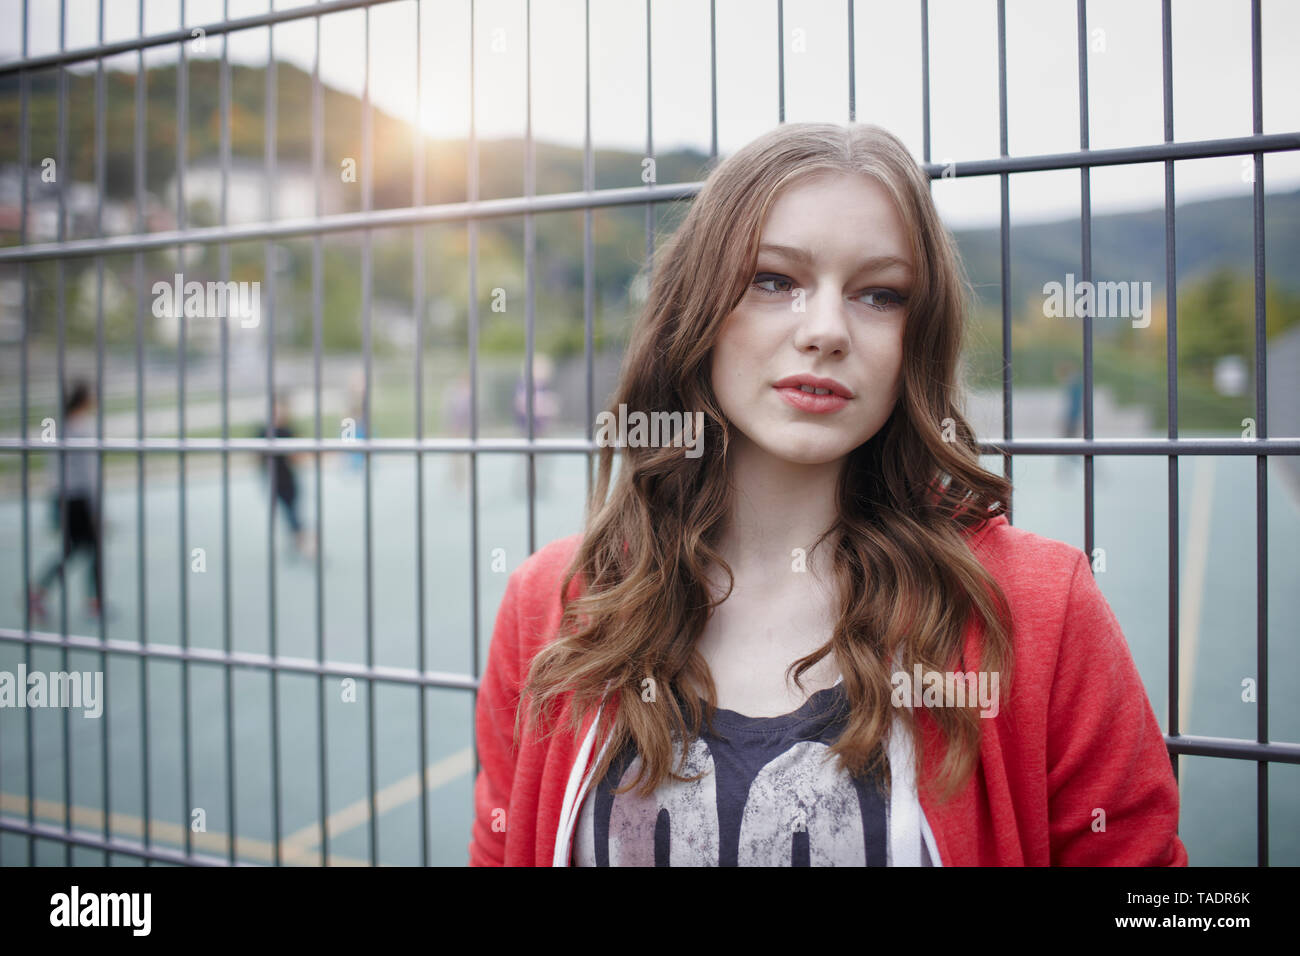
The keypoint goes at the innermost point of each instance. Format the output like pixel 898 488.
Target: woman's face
pixel 825 309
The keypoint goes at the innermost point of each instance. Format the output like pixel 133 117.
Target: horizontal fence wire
pixel 518 446
pixel 618 196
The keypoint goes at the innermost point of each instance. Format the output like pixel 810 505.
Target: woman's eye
pixel 771 283
pixel 884 298
pixel 763 279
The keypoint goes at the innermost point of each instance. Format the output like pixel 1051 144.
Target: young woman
pixel 795 645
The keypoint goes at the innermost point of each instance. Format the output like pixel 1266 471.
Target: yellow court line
pixel 394 795
pixel 1191 589
pixel 90 821
pixel 297 849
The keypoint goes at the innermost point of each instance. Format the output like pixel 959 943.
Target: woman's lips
pixel 811 402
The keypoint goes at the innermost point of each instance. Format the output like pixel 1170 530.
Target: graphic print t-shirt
pixel 772 795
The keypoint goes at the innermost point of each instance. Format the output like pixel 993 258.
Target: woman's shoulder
pixel 1016 553
pixel 532 596
pixel 1058 607
pixel 530 610
pixel 1046 582
pixel 542 571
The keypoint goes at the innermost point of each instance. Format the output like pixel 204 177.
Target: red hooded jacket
pixel 1076 735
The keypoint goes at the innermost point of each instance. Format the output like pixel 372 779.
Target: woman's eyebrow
pixel 796 254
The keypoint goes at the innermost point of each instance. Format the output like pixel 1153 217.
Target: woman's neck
pixel 777 506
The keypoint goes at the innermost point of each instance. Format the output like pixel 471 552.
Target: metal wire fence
pixel 418 213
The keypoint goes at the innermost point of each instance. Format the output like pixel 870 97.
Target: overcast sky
pixel 1212 77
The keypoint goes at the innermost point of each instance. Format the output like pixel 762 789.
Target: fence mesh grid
pixel 419 213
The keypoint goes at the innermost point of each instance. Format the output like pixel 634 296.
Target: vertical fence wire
pixel 24 155
pixel 228 689
pixel 141 158
pixel 1004 225
pixel 780 58
pixel 367 193
pixel 101 178
pixel 24 277
pixel 317 334
pixel 530 281
pixel 853 102
pixel 1261 414
pixel 417 302
pixel 1085 244
pixel 473 174
pixel 182 94
pixel 61 231
pixel 588 251
pixel 925 81
pixel 650 145
pixel 272 430
pixel 713 80
pixel 1171 368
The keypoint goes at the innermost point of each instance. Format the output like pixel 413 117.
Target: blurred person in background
pixel 74 503
pixel 546 406
pixel 456 403
pixel 357 412
pixel 1067 373
pixel 1071 381
pixel 284 479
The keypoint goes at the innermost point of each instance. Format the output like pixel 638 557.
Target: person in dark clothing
pixel 74 503
pixel 1067 374
pixel 283 478
pixel 1071 381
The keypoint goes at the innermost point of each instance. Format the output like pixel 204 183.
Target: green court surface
pixel 1217 606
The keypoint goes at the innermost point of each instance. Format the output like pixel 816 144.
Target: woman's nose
pixel 823 323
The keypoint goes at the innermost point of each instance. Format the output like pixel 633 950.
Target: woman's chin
pixel 800 450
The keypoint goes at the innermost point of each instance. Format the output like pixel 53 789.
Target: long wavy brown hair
pixel 908 581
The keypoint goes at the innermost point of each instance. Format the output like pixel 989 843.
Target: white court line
pixel 1191 589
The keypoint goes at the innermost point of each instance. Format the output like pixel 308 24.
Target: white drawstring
pixel 904 812
pixel 575 790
